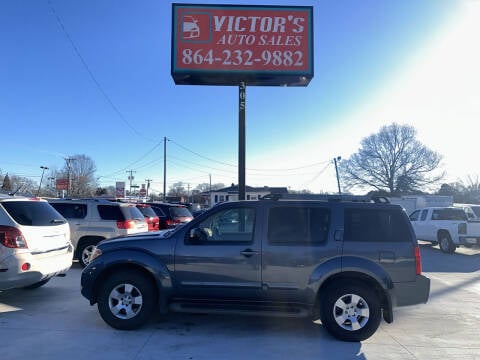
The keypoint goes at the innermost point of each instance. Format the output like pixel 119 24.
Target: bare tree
pixel 392 160
pixel 80 169
pixel 204 187
pixel 177 189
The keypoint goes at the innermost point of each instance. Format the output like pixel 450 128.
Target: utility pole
pixel 41 178
pixel 68 161
pixel 336 171
pixel 164 167
pixel 148 181
pixel 130 177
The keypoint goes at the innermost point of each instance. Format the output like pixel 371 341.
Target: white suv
pixel 34 243
pixel 94 220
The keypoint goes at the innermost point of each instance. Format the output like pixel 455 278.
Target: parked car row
pixel 40 238
pixel 94 220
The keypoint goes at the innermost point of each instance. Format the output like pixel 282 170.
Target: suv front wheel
pixel 126 300
pixel 350 311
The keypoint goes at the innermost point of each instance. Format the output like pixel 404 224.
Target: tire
pixel 126 300
pixel 446 244
pixel 85 250
pixel 36 285
pixel 350 311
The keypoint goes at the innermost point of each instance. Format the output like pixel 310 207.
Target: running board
pixel 290 311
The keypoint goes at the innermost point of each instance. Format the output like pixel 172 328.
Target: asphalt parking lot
pixel 56 322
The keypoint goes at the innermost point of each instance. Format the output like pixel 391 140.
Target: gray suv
pixel 348 263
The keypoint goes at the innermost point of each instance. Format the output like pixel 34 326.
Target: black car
pixel 347 263
pixel 171 215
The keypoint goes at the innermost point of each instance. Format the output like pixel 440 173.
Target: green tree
pixel 392 160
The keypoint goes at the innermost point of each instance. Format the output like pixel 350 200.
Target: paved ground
pixel 56 322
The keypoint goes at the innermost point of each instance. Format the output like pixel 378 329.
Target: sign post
pixel 242 45
pixel 241 140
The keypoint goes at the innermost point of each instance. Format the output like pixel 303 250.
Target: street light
pixel 43 170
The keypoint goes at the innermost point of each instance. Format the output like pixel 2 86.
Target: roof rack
pixel 326 197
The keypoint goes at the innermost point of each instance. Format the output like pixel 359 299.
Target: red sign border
pixel 234 77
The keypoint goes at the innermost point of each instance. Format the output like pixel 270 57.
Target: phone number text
pixel 227 57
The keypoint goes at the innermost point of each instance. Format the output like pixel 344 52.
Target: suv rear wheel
pixel 126 300
pixel 350 311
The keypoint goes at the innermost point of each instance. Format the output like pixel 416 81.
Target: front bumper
pixel 88 279
pixel 412 292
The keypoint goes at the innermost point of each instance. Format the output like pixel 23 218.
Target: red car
pixel 150 217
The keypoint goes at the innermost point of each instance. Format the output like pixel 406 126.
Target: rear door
pixel 296 241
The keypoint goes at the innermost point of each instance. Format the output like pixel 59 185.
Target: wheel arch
pixel 362 271
pixel 144 264
pixel 441 232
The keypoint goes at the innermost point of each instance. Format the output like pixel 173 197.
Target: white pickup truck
pixel 447 226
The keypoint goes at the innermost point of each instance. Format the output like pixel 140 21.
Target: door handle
pixel 248 252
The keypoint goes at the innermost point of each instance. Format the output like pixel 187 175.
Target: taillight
pixel 418 260
pixel 127 224
pixel 13 238
pixel 172 222
pixel 462 228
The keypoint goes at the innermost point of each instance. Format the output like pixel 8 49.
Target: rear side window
pixel 180 211
pixel 298 225
pixel 71 211
pixel 110 212
pixel 33 213
pixel 376 225
pixel 158 211
pixel 147 211
pixel 134 213
pixel 449 214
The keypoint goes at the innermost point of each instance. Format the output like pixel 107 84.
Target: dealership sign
pixel 229 44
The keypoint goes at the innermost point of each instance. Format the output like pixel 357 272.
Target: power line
pixel 95 81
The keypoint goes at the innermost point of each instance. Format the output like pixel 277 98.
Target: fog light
pixel 25 266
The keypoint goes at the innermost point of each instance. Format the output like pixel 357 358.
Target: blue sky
pixel 93 77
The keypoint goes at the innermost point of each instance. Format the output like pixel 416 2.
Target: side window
pixel 415 215
pixel 376 225
pixel 291 225
pixel 424 215
pixel 71 211
pixel 229 226
pixel 158 211
pixel 109 212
